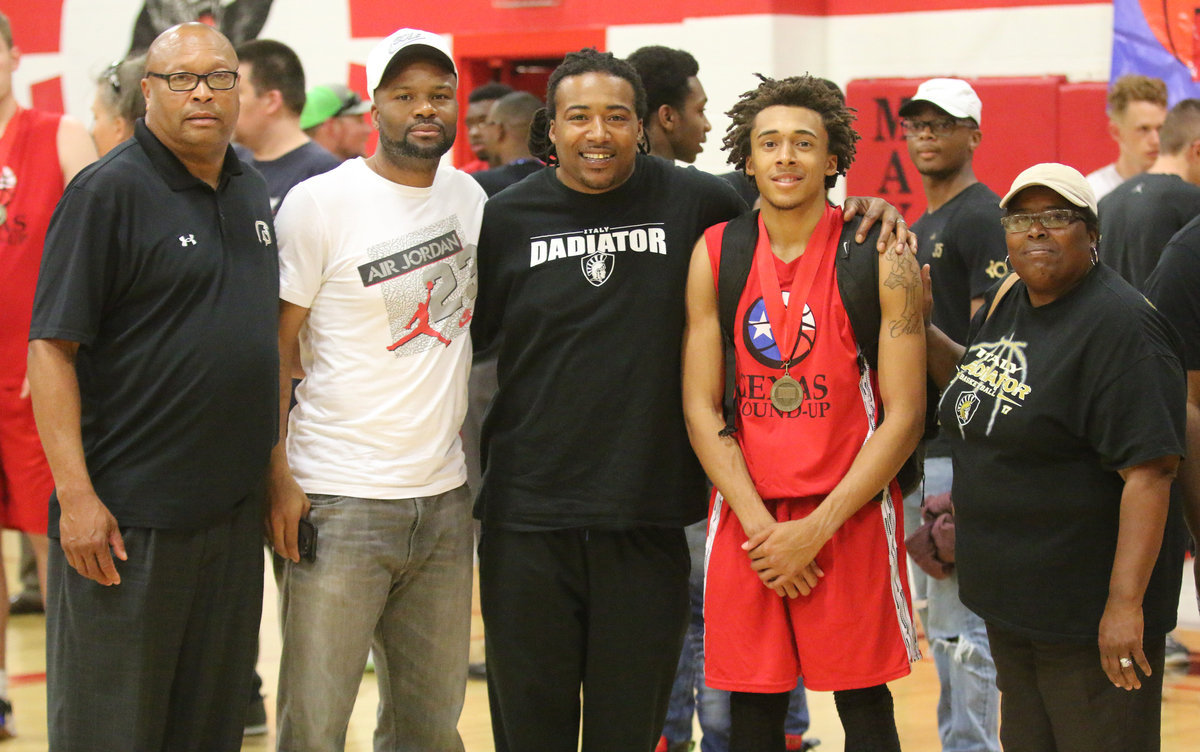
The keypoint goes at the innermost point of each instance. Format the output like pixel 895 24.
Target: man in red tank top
pixel 804 573
pixel 39 153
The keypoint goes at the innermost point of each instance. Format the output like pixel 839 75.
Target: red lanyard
pixel 790 316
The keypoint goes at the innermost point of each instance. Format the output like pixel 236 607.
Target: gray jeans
pixel 391 574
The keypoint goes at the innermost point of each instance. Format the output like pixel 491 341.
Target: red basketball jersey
pixel 807 451
pixel 30 186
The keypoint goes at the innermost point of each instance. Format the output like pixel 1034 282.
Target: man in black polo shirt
pixel 154 368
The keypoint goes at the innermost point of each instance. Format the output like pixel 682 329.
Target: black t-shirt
pixel 963 243
pixel 1048 403
pixel 1174 288
pixel 498 178
pixel 292 168
pixel 586 295
pixel 742 183
pixel 171 290
pixel 1138 218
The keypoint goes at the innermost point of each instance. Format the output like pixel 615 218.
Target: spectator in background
pixel 118 103
pixel 675 123
pixel 506 138
pixel 333 117
pixel 1137 106
pixel 1140 215
pixel 268 129
pixel 1172 288
pixel 479 104
pixel 39 154
pixel 960 238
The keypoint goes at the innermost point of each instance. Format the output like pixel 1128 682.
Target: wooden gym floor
pixel 915 696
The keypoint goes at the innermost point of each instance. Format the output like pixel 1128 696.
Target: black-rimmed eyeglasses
pixel 938 127
pixel 221 80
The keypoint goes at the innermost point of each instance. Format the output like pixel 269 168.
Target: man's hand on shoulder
pixel 87 532
pixel 893 230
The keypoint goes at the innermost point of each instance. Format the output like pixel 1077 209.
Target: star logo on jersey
pixel 597 267
pixel 760 339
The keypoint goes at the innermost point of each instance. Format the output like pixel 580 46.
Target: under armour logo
pixel 186 240
pixel 264 232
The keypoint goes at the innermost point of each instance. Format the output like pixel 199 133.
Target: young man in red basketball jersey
pixel 805 573
pixel 39 154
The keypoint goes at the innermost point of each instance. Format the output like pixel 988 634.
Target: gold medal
pixel 786 394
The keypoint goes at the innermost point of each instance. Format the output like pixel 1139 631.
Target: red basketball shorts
pixel 854 630
pixel 25 480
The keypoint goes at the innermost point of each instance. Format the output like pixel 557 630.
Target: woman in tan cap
pixel 1065 414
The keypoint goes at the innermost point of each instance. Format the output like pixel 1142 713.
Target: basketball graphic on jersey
pixel 760 337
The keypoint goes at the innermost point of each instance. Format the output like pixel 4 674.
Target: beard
pixel 400 149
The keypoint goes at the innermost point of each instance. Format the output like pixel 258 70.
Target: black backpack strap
pixel 737 254
pixel 857 270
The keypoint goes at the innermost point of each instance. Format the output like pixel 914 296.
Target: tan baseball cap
pixel 1063 180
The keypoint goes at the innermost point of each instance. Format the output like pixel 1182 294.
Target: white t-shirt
pixel 1104 180
pixel 388 274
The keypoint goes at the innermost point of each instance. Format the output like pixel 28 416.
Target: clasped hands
pixel 783 555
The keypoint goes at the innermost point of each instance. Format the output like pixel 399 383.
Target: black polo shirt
pixel 171 289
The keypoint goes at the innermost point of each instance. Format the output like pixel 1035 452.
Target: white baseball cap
pixel 952 95
pixel 410 41
pixel 1063 180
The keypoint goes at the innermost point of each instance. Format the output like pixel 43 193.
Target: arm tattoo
pixel 904 273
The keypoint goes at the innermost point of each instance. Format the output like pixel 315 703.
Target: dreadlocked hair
pixel 587 60
pixel 817 94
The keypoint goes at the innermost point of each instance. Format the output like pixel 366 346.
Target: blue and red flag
pixel 1159 38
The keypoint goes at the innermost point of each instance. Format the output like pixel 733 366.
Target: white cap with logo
pixel 952 95
pixel 405 40
pixel 1063 180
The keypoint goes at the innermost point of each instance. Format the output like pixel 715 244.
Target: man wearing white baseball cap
pixel 959 237
pixel 377 266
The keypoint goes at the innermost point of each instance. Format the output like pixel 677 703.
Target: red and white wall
pixel 67 42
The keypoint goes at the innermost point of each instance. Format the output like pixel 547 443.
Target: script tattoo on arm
pixel 903 273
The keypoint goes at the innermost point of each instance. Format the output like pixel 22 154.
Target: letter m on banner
pixel 1159 38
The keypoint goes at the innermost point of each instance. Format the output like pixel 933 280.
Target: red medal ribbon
pixel 791 315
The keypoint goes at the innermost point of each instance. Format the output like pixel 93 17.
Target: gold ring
pixel 1126 662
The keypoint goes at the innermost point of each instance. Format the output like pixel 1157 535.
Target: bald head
pixel 196 123
pixel 174 40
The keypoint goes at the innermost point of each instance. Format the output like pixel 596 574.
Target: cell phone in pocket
pixel 306 539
